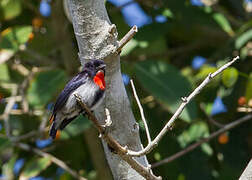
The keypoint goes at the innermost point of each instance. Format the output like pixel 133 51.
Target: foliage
pixel 178 44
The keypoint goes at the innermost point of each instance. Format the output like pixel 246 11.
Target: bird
pixel 89 84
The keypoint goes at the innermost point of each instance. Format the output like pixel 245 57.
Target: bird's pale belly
pixel 89 93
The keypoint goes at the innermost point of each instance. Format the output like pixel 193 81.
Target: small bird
pixel 89 84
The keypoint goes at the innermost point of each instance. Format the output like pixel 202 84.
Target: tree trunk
pixel 97 39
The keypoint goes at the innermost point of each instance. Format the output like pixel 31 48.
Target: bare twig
pixel 23 88
pixel 244 109
pixel 55 160
pixel 33 134
pixel 126 38
pixel 108 121
pixel 8 109
pixel 43 123
pixel 24 136
pixel 113 144
pixel 185 101
pixel 141 111
pixel 197 144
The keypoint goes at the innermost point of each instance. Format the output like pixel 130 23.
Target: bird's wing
pixel 73 84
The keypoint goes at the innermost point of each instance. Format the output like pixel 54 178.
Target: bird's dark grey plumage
pixel 66 108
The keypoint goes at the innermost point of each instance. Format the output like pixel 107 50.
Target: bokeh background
pixel 178 44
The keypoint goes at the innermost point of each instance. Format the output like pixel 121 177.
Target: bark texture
pixel 97 39
pixel 247 173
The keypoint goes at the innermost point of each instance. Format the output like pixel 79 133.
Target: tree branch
pixel 197 144
pixel 55 160
pixel 185 101
pixel 114 145
pixel 126 38
pixel 247 173
pixel 141 111
pixel 97 39
pixel 8 109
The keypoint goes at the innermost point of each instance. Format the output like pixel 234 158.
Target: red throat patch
pixel 99 80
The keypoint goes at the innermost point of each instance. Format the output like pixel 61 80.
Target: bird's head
pixel 94 66
pixel 96 69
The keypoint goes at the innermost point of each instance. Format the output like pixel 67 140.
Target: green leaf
pixel 167 85
pixel 4 143
pixel 157 156
pixel 249 87
pixel 7 168
pixel 4 72
pixel 204 71
pixel 34 167
pixel 12 38
pixel 44 86
pixel 9 9
pixel 229 77
pixel 206 148
pixel 242 39
pixel 195 131
pixel 223 23
pixel 168 13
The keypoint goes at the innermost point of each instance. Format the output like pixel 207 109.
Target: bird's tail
pixel 53 130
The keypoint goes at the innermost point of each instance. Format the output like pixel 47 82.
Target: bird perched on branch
pixel 89 84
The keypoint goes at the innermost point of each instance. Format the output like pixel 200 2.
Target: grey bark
pixel 97 40
pixel 247 173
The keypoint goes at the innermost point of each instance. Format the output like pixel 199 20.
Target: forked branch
pixel 113 144
pixel 197 144
pixel 185 101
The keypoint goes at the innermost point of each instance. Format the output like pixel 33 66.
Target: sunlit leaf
pixel 12 38
pixel 242 39
pixel 10 9
pixel 229 77
pixel 195 131
pixel 34 167
pixel 44 86
pixel 204 71
pixel 4 73
pixel 223 22
pixel 167 84
pixel 207 149
pixel 7 168
pixel 249 87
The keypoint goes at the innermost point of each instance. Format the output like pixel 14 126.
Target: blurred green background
pixel 178 44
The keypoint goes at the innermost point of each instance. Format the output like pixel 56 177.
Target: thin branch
pixel 244 109
pixel 7 110
pixel 197 144
pixel 108 121
pixel 30 134
pixel 185 101
pixel 126 38
pixel 55 160
pixel 113 144
pixel 141 111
